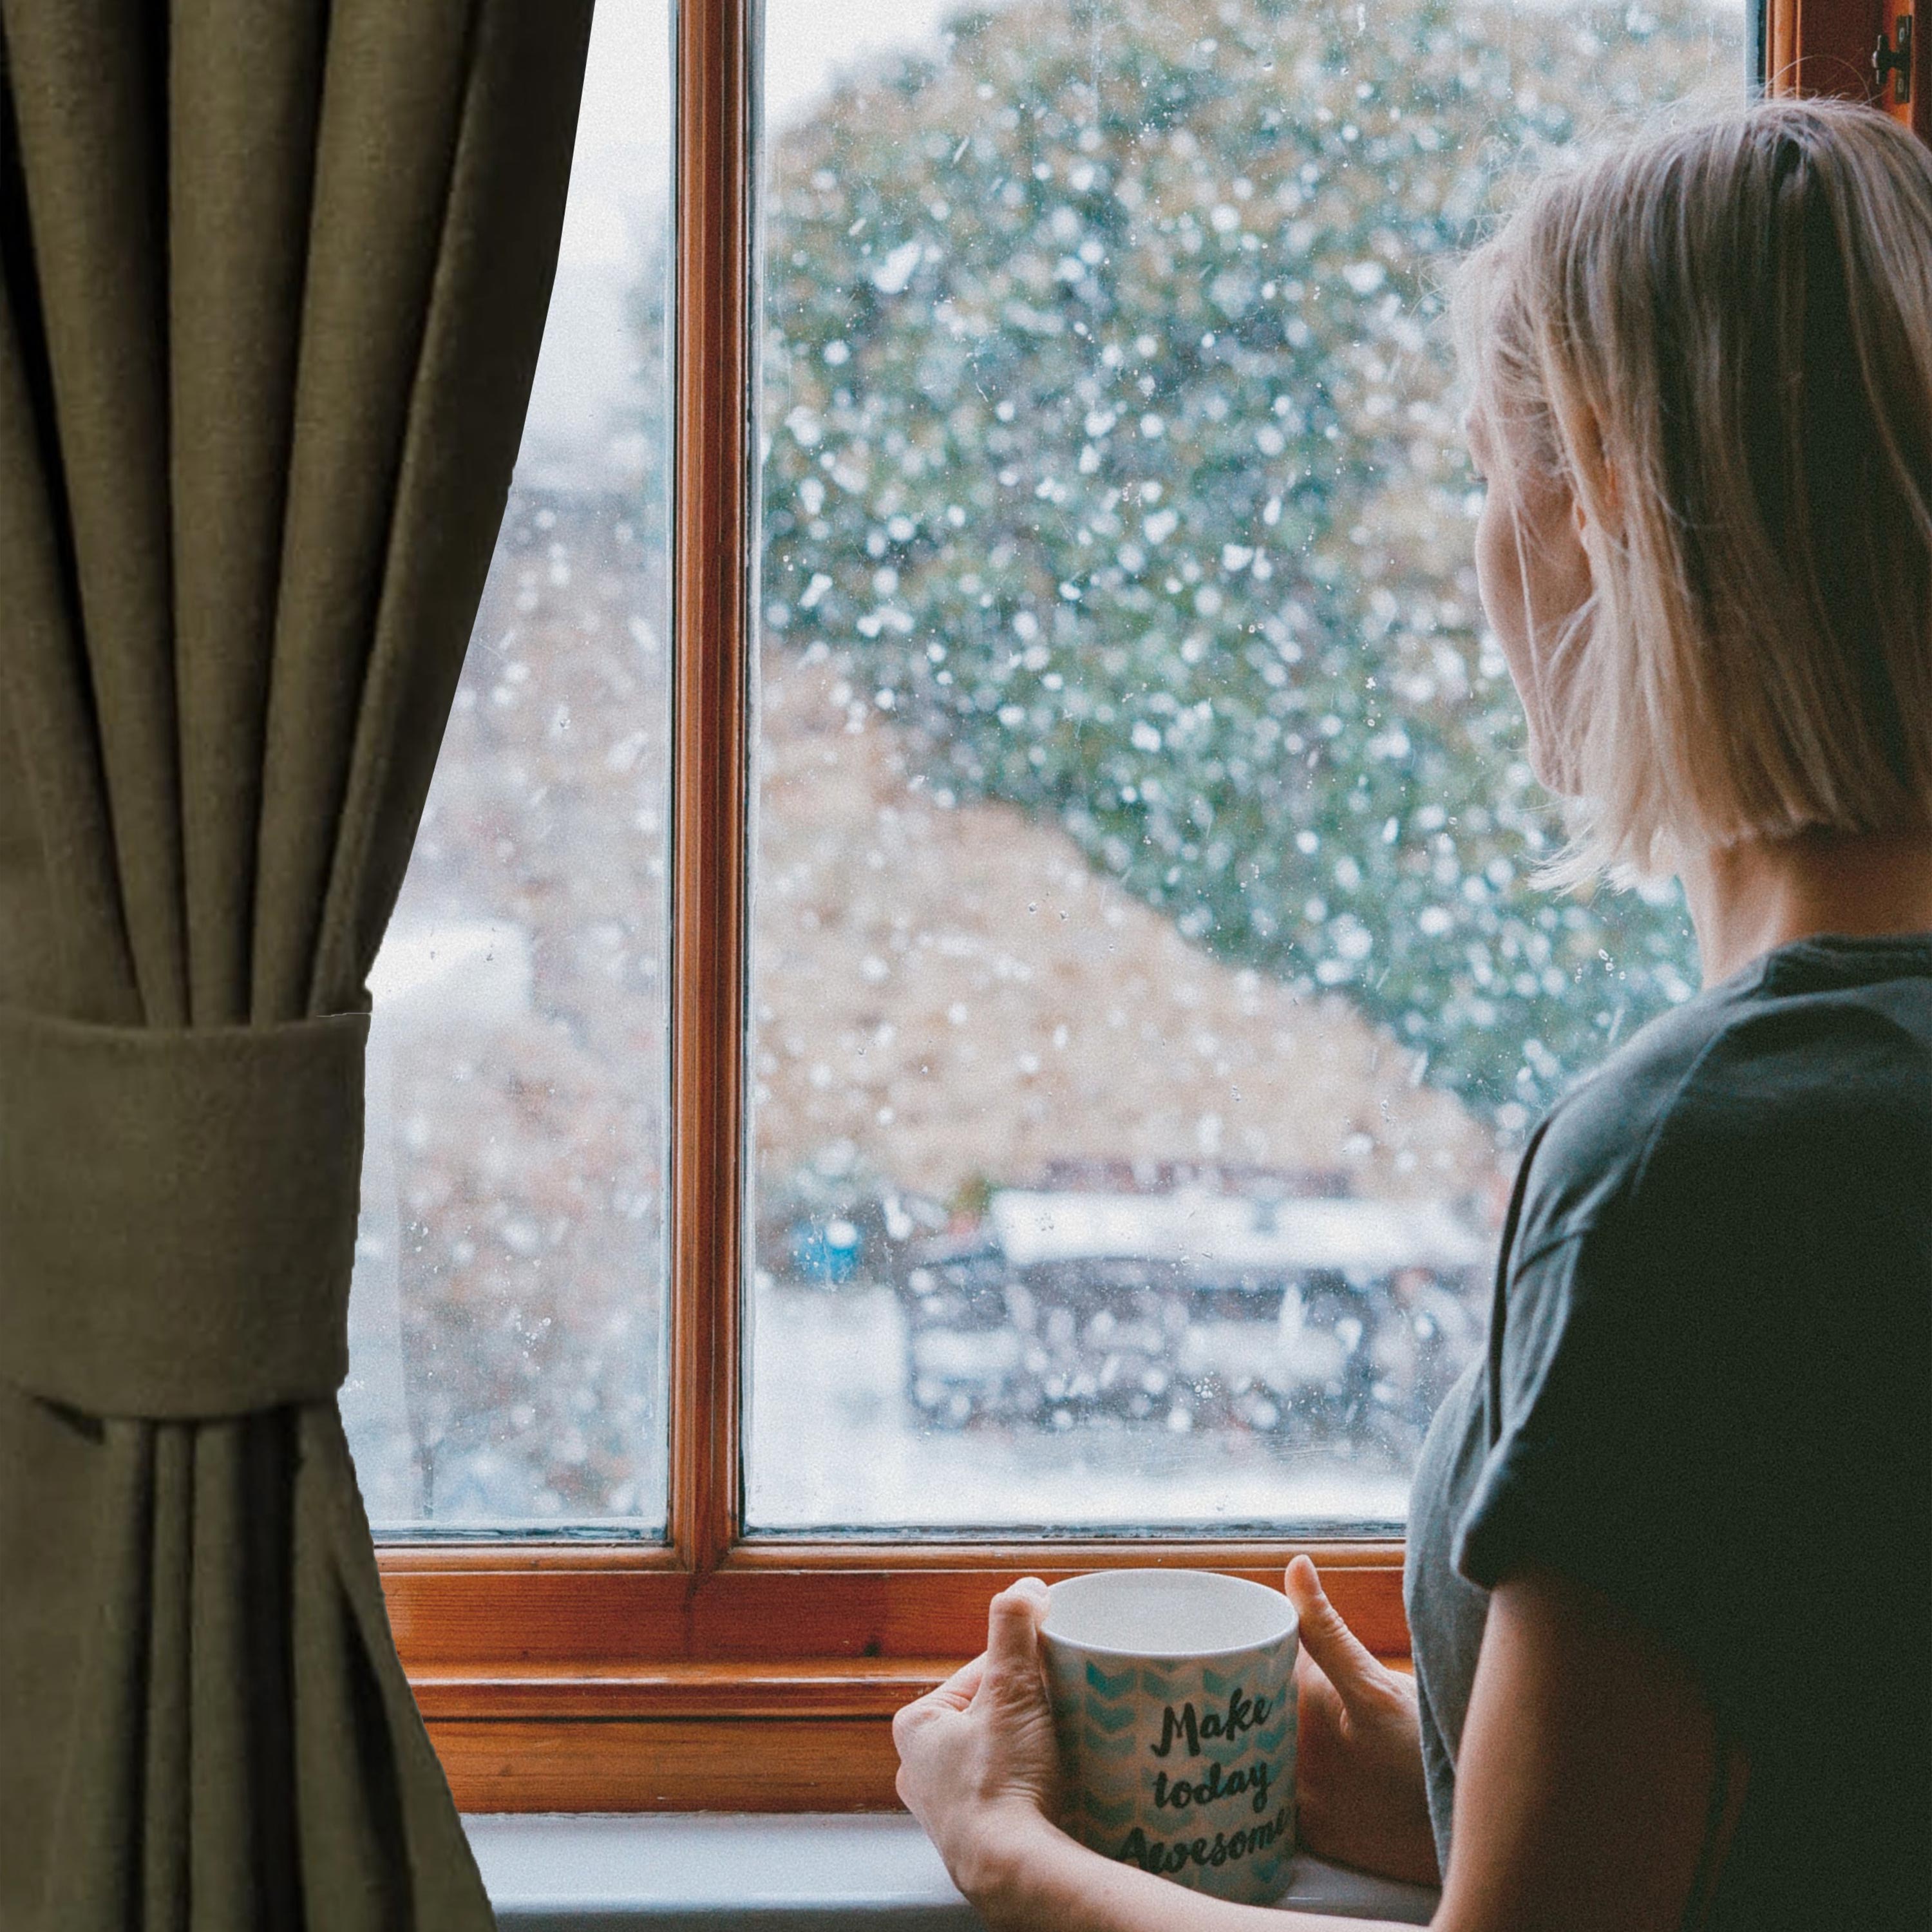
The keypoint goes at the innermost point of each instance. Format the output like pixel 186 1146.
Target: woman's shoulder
pixel 1803 1086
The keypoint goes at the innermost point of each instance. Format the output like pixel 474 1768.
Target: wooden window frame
pixel 716 1670
pixel 1826 47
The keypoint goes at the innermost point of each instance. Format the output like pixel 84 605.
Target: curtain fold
pixel 272 283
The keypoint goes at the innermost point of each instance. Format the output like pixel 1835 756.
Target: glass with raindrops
pixel 507 1355
pixel 1149 1002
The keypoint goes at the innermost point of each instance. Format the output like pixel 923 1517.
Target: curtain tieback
pixel 178 1213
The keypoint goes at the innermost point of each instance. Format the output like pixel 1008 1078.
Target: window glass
pixel 507 1321
pixel 1148 1003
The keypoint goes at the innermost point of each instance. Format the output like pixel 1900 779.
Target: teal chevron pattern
pixel 1276 1735
pixel 1108 1689
pixel 1165 1810
pixel 1114 1817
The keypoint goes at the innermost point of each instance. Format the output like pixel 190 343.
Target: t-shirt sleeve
pixel 1707 1392
pixel 1620 1455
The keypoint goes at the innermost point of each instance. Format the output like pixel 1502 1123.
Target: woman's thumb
pixel 1012 1628
pixel 1343 1659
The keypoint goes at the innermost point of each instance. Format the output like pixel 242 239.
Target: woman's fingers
pixel 948 1699
pixel 1010 1659
pixel 1013 1629
pixel 959 1690
pixel 1311 1680
pixel 1327 1640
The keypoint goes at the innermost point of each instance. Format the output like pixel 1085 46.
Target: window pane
pixel 1149 1003
pixel 507 1323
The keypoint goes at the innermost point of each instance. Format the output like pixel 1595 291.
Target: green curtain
pixel 272 281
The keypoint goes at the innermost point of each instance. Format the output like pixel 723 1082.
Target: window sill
pixel 688 1872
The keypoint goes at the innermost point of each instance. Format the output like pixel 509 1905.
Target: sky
pixel 618 175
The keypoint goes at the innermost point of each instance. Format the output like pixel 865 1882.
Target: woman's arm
pixel 1051 1883
pixel 1585 1783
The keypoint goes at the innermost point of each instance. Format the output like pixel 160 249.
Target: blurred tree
pixel 1110 438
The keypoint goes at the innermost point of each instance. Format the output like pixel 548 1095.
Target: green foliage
pixel 1110 438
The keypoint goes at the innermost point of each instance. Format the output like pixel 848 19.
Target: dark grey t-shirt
pixel 1708 1393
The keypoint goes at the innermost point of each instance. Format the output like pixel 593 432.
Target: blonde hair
pixel 1719 338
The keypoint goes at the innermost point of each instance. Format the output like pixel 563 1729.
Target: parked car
pixel 1314 1318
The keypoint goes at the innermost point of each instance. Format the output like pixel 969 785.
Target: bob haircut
pixel 1719 338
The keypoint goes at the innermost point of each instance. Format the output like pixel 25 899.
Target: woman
pixel 1670 1556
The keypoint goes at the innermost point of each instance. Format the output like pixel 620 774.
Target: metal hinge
pixel 1896 62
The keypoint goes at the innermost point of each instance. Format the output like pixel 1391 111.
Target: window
pixel 966 997
pixel 1147 1001
pixel 508 1325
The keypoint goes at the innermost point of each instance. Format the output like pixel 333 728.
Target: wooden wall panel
pixel 671 1765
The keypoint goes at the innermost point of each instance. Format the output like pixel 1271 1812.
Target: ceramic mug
pixel 1173 1695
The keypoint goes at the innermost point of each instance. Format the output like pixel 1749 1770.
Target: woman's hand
pixel 1359 1795
pixel 979 1767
